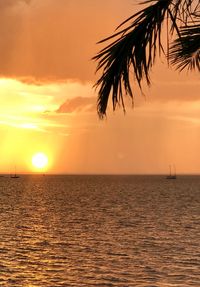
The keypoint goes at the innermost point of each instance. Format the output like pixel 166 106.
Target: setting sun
pixel 39 160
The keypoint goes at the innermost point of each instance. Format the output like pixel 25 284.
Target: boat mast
pixel 170 170
pixel 174 169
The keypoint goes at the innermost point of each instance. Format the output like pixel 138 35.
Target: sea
pixel 99 230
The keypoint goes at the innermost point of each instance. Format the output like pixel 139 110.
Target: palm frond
pixel 135 48
pixel 185 51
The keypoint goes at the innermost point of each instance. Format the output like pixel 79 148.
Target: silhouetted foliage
pixel 134 47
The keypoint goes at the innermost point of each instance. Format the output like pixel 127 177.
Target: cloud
pixel 9 3
pixel 179 91
pixel 78 104
pixel 54 40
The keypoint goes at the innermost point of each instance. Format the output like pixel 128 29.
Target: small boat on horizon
pixel 14 175
pixel 171 175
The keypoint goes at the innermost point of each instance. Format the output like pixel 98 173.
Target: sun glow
pixel 39 160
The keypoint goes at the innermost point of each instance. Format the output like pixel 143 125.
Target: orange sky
pixel 48 103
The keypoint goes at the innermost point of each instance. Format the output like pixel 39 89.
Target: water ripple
pixel 99 231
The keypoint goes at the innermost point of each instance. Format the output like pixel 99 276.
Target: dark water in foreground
pixel 99 231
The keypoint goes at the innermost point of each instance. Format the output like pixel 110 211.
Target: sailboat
pixel 14 175
pixel 171 175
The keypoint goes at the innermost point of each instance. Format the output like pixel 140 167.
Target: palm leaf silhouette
pixel 185 51
pixel 134 48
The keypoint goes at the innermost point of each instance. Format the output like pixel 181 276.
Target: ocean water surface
pixel 99 231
